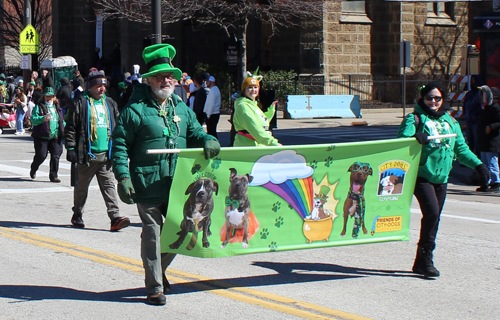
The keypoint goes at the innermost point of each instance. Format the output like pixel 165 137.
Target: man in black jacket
pixel 64 93
pixel 89 124
pixel 488 131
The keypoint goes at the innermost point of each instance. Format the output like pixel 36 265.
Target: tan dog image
pixel 237 211
pixel 197 211
pixel 390 185
pixel 354 205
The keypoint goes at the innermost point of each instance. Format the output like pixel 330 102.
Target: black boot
pixel 423 262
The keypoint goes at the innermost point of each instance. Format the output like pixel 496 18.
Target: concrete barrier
pixel 324 106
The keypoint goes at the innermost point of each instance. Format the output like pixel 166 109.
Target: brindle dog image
pixel 354 205
pixel 197 210
pixel 237 206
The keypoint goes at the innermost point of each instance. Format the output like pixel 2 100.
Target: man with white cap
pixel 89 123
pixel 212 107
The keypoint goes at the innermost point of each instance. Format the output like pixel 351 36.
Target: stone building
pixel 355 39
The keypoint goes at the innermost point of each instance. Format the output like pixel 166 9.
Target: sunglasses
pixel 357 167
pixel 435 98
pixel 162 78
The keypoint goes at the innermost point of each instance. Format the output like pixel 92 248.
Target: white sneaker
pixel 17 133
pixel 1 131
pixel 22 132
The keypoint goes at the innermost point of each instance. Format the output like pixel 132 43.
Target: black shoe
pixel 482 189
pixel 56 180
pixel 119 223
pixel 157 299
pixel 423 262
pixel 166 285
pixel 32 174
pixel 495 188
pixel 77 221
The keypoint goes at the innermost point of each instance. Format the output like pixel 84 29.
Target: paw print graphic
pixel 264 233
pixel 273 246
pixel 290 207
pixel 388 208
pixel 196 168
pixel 216 163
pixel 276 206
pixel 328 161
pixel 313 164
pixel 279 222
pixel 330 148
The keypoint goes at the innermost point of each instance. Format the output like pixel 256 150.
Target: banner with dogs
pixel 253 200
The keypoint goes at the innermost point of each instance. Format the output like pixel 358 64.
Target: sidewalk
pixel 371 117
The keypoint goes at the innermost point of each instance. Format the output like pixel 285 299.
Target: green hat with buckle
pixel 158 59
pixel 49 91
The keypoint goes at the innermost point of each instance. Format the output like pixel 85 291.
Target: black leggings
pixel 431 198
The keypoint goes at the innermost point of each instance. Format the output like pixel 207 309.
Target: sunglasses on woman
pixel 435 98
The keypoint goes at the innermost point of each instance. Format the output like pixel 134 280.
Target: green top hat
pixel 323 192
pixel 49 91
pixel 158 59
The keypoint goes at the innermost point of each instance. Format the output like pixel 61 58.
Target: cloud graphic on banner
pixel 280 167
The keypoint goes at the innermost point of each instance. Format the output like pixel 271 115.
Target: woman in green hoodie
pixel 430 118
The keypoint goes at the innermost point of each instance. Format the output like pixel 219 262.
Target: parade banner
pixel 253 200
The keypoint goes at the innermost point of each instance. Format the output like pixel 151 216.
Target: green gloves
pixel 126 191
pixel 211 148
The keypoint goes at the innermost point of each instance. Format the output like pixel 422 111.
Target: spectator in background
pixel 200 97
pixel 78 77
pixel 11 87
pixel 212 107
pixel 37 94
pixel 3 89
pixel 64 93
pixel 36 79
pixel 472 111
pixel 47 79
pixel 20 105
pixel 488 132
pixel 76 90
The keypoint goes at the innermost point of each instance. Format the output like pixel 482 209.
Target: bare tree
pixel 12 13
pixel 439 48
pixel 231 15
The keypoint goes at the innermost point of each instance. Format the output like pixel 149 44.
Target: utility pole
pixel 27 21
pixel 156 21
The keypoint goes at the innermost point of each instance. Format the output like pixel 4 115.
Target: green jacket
pixel 250 119
pixel 437 156
pixel 139 128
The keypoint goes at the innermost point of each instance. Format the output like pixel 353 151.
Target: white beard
pixel 163 93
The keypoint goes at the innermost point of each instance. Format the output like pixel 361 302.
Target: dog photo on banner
pixel 250 200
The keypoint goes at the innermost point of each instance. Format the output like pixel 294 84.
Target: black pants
pixel 212 124
pixel 431 199
pixel 42 147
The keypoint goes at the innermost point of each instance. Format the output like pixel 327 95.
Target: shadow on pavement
pixel 30 225
pixel 289 273
pixel 36 293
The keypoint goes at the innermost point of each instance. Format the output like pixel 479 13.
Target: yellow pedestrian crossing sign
pixel 29 41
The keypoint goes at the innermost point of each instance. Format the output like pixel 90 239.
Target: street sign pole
pixel 27 22
pixel 404 62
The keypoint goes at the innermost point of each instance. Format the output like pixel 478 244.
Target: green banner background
pixel 303 205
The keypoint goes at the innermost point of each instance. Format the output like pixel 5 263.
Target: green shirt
pixel 98 117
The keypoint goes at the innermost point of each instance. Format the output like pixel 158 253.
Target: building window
pixel 354 12
pixel 440 13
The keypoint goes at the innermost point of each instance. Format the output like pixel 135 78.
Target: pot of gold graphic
pixel 317 230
